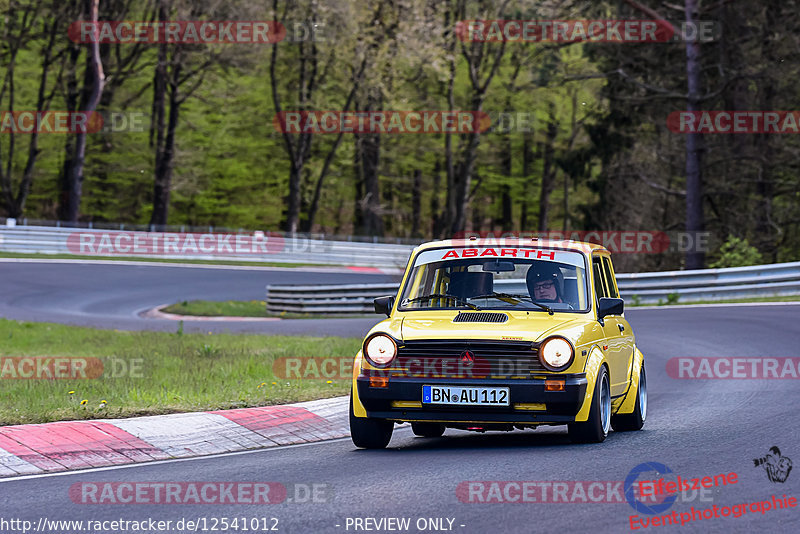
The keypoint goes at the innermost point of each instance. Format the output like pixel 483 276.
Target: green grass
pixel 159 260
pixel 178 372
pixel 228 308
pixel 246 308
pixel 790 298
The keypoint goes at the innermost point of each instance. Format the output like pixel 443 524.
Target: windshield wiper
pixel 515 299
pixel 440 296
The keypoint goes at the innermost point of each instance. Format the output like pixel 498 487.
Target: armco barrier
pixel 199 245
pixel 647 288
pixel 781 279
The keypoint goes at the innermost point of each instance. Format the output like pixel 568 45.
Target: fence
pixel 204 244
pixel 781 279
pixel 235 245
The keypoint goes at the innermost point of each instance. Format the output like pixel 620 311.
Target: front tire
pixel 595 429
pixel 634 421
pixel 427 430
pixel 368 433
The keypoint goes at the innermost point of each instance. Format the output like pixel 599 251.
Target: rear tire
pixel 634 421
pixel 427 430
pixel 595 429
pixel 368 433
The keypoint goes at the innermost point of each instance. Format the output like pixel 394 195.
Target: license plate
pixel 465 396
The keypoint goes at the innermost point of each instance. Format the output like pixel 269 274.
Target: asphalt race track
pixel 114 296
pixel 697 428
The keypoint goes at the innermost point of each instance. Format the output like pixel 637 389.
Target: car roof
pixel 577 246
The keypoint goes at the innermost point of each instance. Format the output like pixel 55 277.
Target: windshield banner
pixel 496 253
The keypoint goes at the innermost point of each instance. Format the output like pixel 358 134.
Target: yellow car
pixel 500 335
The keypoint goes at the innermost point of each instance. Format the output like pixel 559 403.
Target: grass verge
pixel 246 308
pixel 228 308
pixel 146 373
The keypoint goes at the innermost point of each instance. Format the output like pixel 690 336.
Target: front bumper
pixel 561 406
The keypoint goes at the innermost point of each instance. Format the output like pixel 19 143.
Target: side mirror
pixel 384 305
pixel 609 306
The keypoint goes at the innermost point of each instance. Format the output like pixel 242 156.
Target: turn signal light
pixel 378 381
pixel 554 385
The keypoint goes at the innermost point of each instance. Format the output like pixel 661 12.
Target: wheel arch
pixel 628 402
pixel 594 362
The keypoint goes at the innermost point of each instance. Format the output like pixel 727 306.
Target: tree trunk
pixel 416 203
pixel 506 208
pixel 93 83
pixel 368 148
pixel 164 162
pixel 437 219
pixel 527 162
pixel 695 258
pixel 548 173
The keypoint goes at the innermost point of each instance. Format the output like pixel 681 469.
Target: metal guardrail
pixel 115 240
pixel 781 279
pixel 228 246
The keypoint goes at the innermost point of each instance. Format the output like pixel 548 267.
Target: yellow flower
pixel 84 401
pixel 103 402
pixel 72 393
pixel 261 384
pixel 329 382
pixel 274 383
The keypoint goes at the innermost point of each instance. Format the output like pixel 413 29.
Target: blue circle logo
pixel 630 483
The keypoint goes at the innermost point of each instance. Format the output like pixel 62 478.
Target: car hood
pixel 521 326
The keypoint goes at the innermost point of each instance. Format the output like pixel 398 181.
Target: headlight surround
pixel 380 349
pixel 556 353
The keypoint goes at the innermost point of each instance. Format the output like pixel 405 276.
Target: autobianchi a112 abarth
pixel 505 335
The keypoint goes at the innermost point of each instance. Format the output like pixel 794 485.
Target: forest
pixel 562 133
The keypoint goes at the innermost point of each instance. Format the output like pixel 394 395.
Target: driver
pixel 545 282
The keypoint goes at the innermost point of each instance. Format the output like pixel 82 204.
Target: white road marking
pixel 716 305
pixel 160 462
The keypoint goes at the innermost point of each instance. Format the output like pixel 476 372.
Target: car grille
pixel 443 359
pixel 481 317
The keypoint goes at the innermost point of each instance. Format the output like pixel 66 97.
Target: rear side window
pixel 611 282
pixel 599 281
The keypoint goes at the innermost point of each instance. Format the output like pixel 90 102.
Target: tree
pixel 19 33
pixel 93 83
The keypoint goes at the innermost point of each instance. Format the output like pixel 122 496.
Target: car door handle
pixel 621 328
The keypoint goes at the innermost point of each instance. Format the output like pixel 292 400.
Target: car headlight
pixel 556 353
pixel 380 349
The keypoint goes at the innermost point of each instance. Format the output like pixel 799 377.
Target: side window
pixel 599 283
pixel 611 282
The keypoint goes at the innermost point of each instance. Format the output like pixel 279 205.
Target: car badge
pixel 467 357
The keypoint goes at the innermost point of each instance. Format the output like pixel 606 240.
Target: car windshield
pixel 536 279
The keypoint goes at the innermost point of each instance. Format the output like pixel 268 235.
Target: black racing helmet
pixel 541 271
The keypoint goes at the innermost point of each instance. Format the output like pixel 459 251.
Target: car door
pixel 615 328
pixel 626 332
